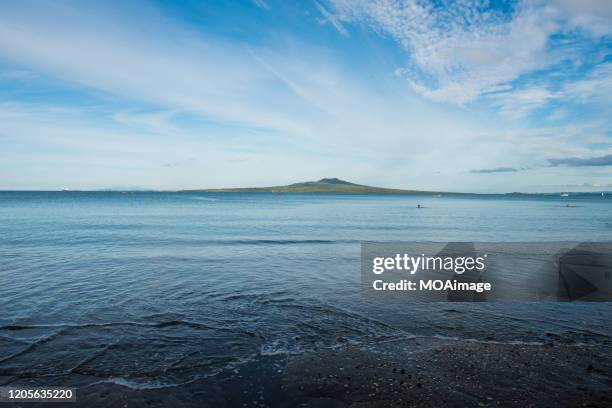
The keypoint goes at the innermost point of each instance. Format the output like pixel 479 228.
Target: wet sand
pixel 409 373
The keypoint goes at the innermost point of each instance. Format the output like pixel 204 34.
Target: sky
pixel 436 95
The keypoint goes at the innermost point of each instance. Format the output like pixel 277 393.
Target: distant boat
pixel 564 195
pixel 65 190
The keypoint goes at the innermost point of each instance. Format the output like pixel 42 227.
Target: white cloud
pixel 593 16
pixel 457 52
pixel 558 114
pixel 517 104
pixel 69 149
pixel 154 122
pixel 595 87
pixel 179 70
pixel 332 19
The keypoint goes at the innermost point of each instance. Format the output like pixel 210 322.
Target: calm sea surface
pixel 162 288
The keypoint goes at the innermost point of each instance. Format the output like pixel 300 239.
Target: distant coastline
pixel 325 185
pixel 332 186
pixel 338 186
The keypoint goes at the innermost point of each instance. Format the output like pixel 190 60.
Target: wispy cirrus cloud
pixel 331 18
pixel 261 4
pixel 517 104
pixel 596 86
pixel 181 71
pixel 159 122
pixel 593 89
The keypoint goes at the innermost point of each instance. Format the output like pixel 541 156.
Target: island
pixel 325 185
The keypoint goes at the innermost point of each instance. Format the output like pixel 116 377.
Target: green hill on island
pixel 325 185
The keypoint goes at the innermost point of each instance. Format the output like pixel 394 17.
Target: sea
pixel 154 289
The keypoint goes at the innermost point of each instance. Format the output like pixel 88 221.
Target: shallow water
pixel 162 288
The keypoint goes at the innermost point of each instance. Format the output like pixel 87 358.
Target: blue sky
pixel 459 96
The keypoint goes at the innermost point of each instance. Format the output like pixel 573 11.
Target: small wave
pixel 504 342
pixel 202 198
pixel 142 383
pixel 18 327
pixel 281 241
pixel 160 324
pixel 135 384
pixel 275 348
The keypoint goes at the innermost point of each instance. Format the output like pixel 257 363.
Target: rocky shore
pixel 418 372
